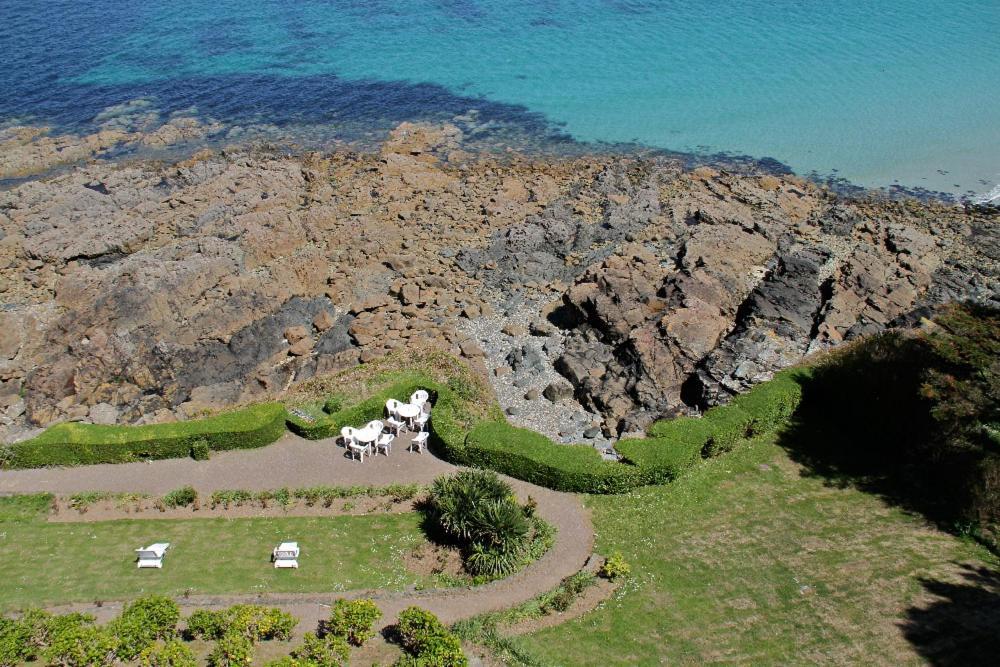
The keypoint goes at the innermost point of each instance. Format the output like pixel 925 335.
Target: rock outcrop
pixel 146 291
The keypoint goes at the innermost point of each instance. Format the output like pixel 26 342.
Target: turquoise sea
pixel 900 92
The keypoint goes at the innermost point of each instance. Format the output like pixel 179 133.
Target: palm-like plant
pixel 499 524
pixel 454 499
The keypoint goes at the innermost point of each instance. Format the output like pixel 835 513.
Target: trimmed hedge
pixel 531 456
pixel 675 445
pixel 665 458
pixel 771 403
pixel 73 443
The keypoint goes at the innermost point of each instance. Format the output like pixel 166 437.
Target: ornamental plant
pixel 353 620
pixel 144 621
pixel 172 653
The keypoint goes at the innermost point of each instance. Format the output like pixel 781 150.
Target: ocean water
pixel 903 92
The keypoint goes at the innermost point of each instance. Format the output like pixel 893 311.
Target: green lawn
pixel 746 561
pixel 46 563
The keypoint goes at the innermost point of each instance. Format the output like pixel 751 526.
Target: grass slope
pixel 48 563
pixel 744 560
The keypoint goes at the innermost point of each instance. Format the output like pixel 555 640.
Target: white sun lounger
pixel 286 554
pixel 152 556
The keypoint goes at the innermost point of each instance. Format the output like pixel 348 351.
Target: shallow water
pixel 903 91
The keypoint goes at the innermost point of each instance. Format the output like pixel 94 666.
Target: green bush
pixel 172 653
pixel 353 620
pixel 144 621
pixel 663 458
pixel 232 650
pixel 614 566
pixel 771 403
pixel 427 641
pixel 82 444
pixel 329 651
pixel 531 456
pixel 15 642
pixel 205 624
pixel 74 641
pixel 728 425
pixel 200 451
pixel 182 497
pixel 453 500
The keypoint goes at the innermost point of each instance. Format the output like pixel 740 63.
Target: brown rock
pixel 296 333
pixel 302 347
pixel 324 321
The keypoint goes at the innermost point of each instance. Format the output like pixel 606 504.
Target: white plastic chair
pixel 391 406
pixel 384 443
pixel 419 397
pixel 347 435
pixel 420 441
pixel 420 421
pixel 377 425
pixel 358 451
pixel 395 425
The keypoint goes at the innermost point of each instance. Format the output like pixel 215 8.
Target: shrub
pixel 205 624
pixel 728 425
pixel 74 641
pixel 353 620
pixel 74 443
pixel 454 499
pixel 568 590
pixel 665 458
pixel 329 651
pixel 200 451
pixel 531 456
pixel 499 523
pixel 614 567
pixel 15 642
pixel 232 650
pixel 172 653
pixel 182 497
pixel 771 403
pixel 427 640
pixel 143 622
pixel 492 562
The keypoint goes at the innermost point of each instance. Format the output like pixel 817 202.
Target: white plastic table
pixel 408 410
pixel 367 435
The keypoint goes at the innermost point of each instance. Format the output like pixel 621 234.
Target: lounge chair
pixel 152 556
pixel 286 554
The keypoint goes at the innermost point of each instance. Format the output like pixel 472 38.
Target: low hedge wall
pixel 675 445
pixel 531 456
pixel 73 443
pixel 771 403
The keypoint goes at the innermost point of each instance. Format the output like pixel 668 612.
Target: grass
pixel 744 560
pixel 45 563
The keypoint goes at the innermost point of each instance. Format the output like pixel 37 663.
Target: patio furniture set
pixel 377 435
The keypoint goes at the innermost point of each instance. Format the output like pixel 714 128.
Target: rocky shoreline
pixel 597 292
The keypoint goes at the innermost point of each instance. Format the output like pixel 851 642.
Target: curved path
pixel 294 461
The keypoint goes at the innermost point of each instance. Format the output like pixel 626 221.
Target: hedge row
pixel 531 456
pixel 74 443
pixel 677 444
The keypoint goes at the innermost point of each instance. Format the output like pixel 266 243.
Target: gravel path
pixel 294 461
pixel 291 461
